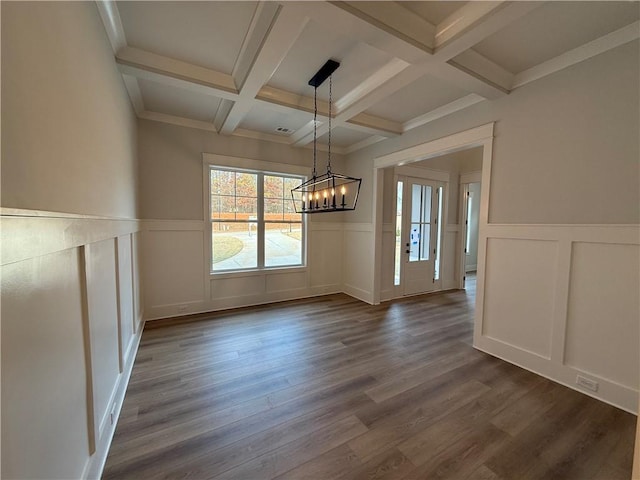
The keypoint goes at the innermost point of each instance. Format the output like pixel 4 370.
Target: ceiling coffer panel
pixel 208 34
pixel 176 101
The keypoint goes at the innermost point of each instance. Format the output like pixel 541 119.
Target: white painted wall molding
pixel 471 177
pixel 551 293
pixel 213 305
pixel 451 143
pixel 609 392
pixel 624 234
pixel 358 227
pixel 443 111
pixel 419 172
pixel 325 226
pixel 172 225
pixel 358 293
pixel 96 463
pixel 29 233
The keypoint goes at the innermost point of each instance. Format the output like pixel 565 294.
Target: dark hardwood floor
pixel 330 388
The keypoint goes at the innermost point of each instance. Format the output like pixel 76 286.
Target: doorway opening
pixel 420 237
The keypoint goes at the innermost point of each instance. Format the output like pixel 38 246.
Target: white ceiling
pixel 242 68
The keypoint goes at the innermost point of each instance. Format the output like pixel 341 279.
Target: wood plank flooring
pixel 332 388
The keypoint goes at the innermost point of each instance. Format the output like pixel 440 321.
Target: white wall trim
pixel 554 365
pixel 612 393
pixel 471 177
pixel 426 173
pixel 227 303
pixel 441 146
pixel 96 463
pixel 33 233
pixel 358 227
pixel 443 111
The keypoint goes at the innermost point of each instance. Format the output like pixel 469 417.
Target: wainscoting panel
pixel 237 286
pixel 357 273
pixel 102 308
pixel 602 322
pixel 177 280
pixel 44 390
pixel 126 305
pixel 562 301
pixel 325 255
pixel 69 287
pixel 173 266
pixel 519 293
pixel 282 282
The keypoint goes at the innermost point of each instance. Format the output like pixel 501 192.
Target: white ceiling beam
pixel 474 22
pixel 110 17
pixel 396 20
pixel 392 68
pixel 363 143
pixel 462 20
pixel 176 120
pixel 341 18
pixel 169 71
pixel 284 29
pixel 584 52
pixel 479 65
pixel 443 111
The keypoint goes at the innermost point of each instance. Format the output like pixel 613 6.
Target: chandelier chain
pixel 329 147
pixel 315 127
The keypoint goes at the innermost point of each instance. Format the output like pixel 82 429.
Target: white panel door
pixel 420 232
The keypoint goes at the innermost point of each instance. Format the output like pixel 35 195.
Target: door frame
pixel 481 136
pixel 465 180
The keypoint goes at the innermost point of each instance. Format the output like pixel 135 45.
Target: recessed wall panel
pixel 102 305
pixel 243 286
pixel 44 400
pixel 125 290
pixel 174 267
pixel 519 293
pixel 604 311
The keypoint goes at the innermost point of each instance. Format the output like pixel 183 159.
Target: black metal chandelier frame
pixel 329 192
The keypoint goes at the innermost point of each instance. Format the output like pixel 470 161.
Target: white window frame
pixel 261 168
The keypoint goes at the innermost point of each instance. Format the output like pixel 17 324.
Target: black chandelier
pixel 329 192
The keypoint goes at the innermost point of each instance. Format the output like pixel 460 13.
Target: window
pixel 253 222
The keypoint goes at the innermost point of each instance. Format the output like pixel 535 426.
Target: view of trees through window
pixel 253 222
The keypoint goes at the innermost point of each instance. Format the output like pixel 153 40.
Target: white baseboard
pixel 470 268
pixel 95 465
pixel 609 392
pixel 358 293
pixel 213 305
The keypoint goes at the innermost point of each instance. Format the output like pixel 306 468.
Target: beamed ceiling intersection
pixel 241 68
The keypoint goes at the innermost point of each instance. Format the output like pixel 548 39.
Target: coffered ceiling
pixel 241 68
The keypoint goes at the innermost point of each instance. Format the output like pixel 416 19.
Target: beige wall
pixel 68 129
pixel 171 166
pixel 70 289
pixel 565 150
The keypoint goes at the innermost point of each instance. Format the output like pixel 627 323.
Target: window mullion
pixel 261 223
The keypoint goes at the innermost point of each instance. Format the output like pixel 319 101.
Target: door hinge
pixel 464 279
